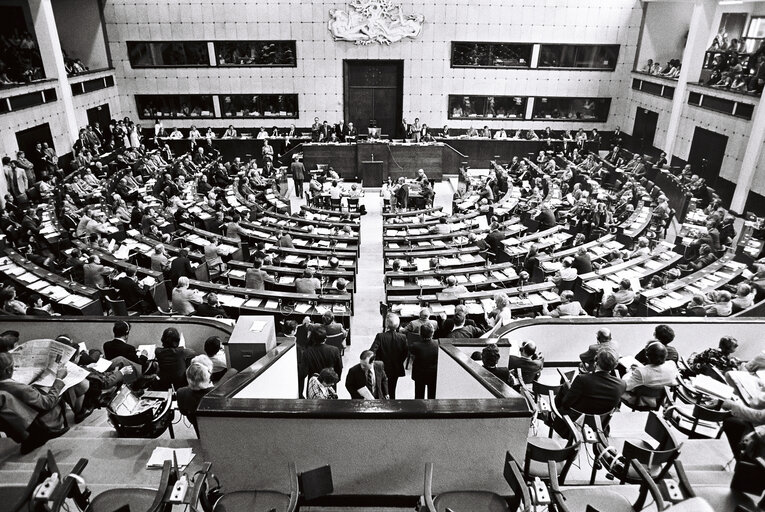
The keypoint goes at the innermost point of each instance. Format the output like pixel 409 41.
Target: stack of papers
pixel 158 457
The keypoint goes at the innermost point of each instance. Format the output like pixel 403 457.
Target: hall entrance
pixel 644 130
pixel 706 158
pixel 374 92
pixel 100 115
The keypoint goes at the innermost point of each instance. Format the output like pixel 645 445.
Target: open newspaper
pixel 37 361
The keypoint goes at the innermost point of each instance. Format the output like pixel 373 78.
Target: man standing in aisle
pixel 298 175
pixel 390 347
pixel 367 380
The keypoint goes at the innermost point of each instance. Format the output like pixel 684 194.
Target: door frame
pixel 399 98
pixel 647 145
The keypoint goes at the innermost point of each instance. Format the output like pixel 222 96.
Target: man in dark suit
pixel 529 361
pixel 582 262
pixel 490 358
pixel 446 324
pixel 367 380
pixel 340 130
pixel 181 267
pixel 461 329
pixel 494 238
pixel 132 293
pixel 425 363
pixel 604 341
pixel 402 194
pixel 210 307
pixel 318 355
pixel 546 218
pixel 298 174
pixel 390 347
pixel 119 347
pixel 594 393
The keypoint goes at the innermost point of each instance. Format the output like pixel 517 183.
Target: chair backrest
pixel 540 389
pixel 118 307
pixel 566 455
pixel 665 454
pixel 657 394
pixel 44 467
pixel 336 340
pixel 514 478
pixel 702 413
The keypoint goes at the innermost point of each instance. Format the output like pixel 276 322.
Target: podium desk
pixel 248 344
pixel 372 172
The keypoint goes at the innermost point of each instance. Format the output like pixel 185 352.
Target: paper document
pixel 158 457
pixel 101 365
pixel 257 326
pixel 150 350
pixel 37 361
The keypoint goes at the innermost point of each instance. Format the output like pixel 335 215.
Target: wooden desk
pixel 66 296
pixel 677 294
pixel 238 300
pixel 158 290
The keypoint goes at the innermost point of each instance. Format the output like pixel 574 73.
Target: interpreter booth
pixel 253 425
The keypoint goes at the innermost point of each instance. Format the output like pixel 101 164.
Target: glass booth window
pixel 491 55
pixel 151 54
pixel 259 105
pixel 578 56
pixel 572 109
pixel 256 53
pixel 755 34
pixel 174 106
pixel 486 107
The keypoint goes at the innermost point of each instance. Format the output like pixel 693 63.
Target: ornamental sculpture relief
pixel 374 21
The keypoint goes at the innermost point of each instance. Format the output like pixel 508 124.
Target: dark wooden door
pixel 28 139
pixel 706 155
pixel 644 129
pixel 100 115
pixel 374 91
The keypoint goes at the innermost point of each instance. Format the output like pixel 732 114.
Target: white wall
pixel 453 381
pixel 563 342
pixel 664 32
pixel 53 114
pixel 80 31
pixel 368 455
pixel 428 77
pixel 280 380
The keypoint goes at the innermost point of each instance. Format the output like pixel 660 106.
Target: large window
pixel 174 106
pixel 487 107
pixel 256 53
pixel 602 57
pixel 259 105
pixel 177 53
pixel 571 109
pixel 755 34
pixel 491 55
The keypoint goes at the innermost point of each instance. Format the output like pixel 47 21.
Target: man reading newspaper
pixel 34 413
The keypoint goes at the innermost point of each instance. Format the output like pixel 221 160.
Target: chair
pixel 477 501
pixel 353 204
pixel 617 454
pixel 335 204
pixel 746 481
pixel 146 424
pixel 644 398
pixel 262 500
pixel 562 452
pixel 337 340
pixel 603 499
pixel 136 499
pixel 118 307
pixel 696 421
pixel 19 496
